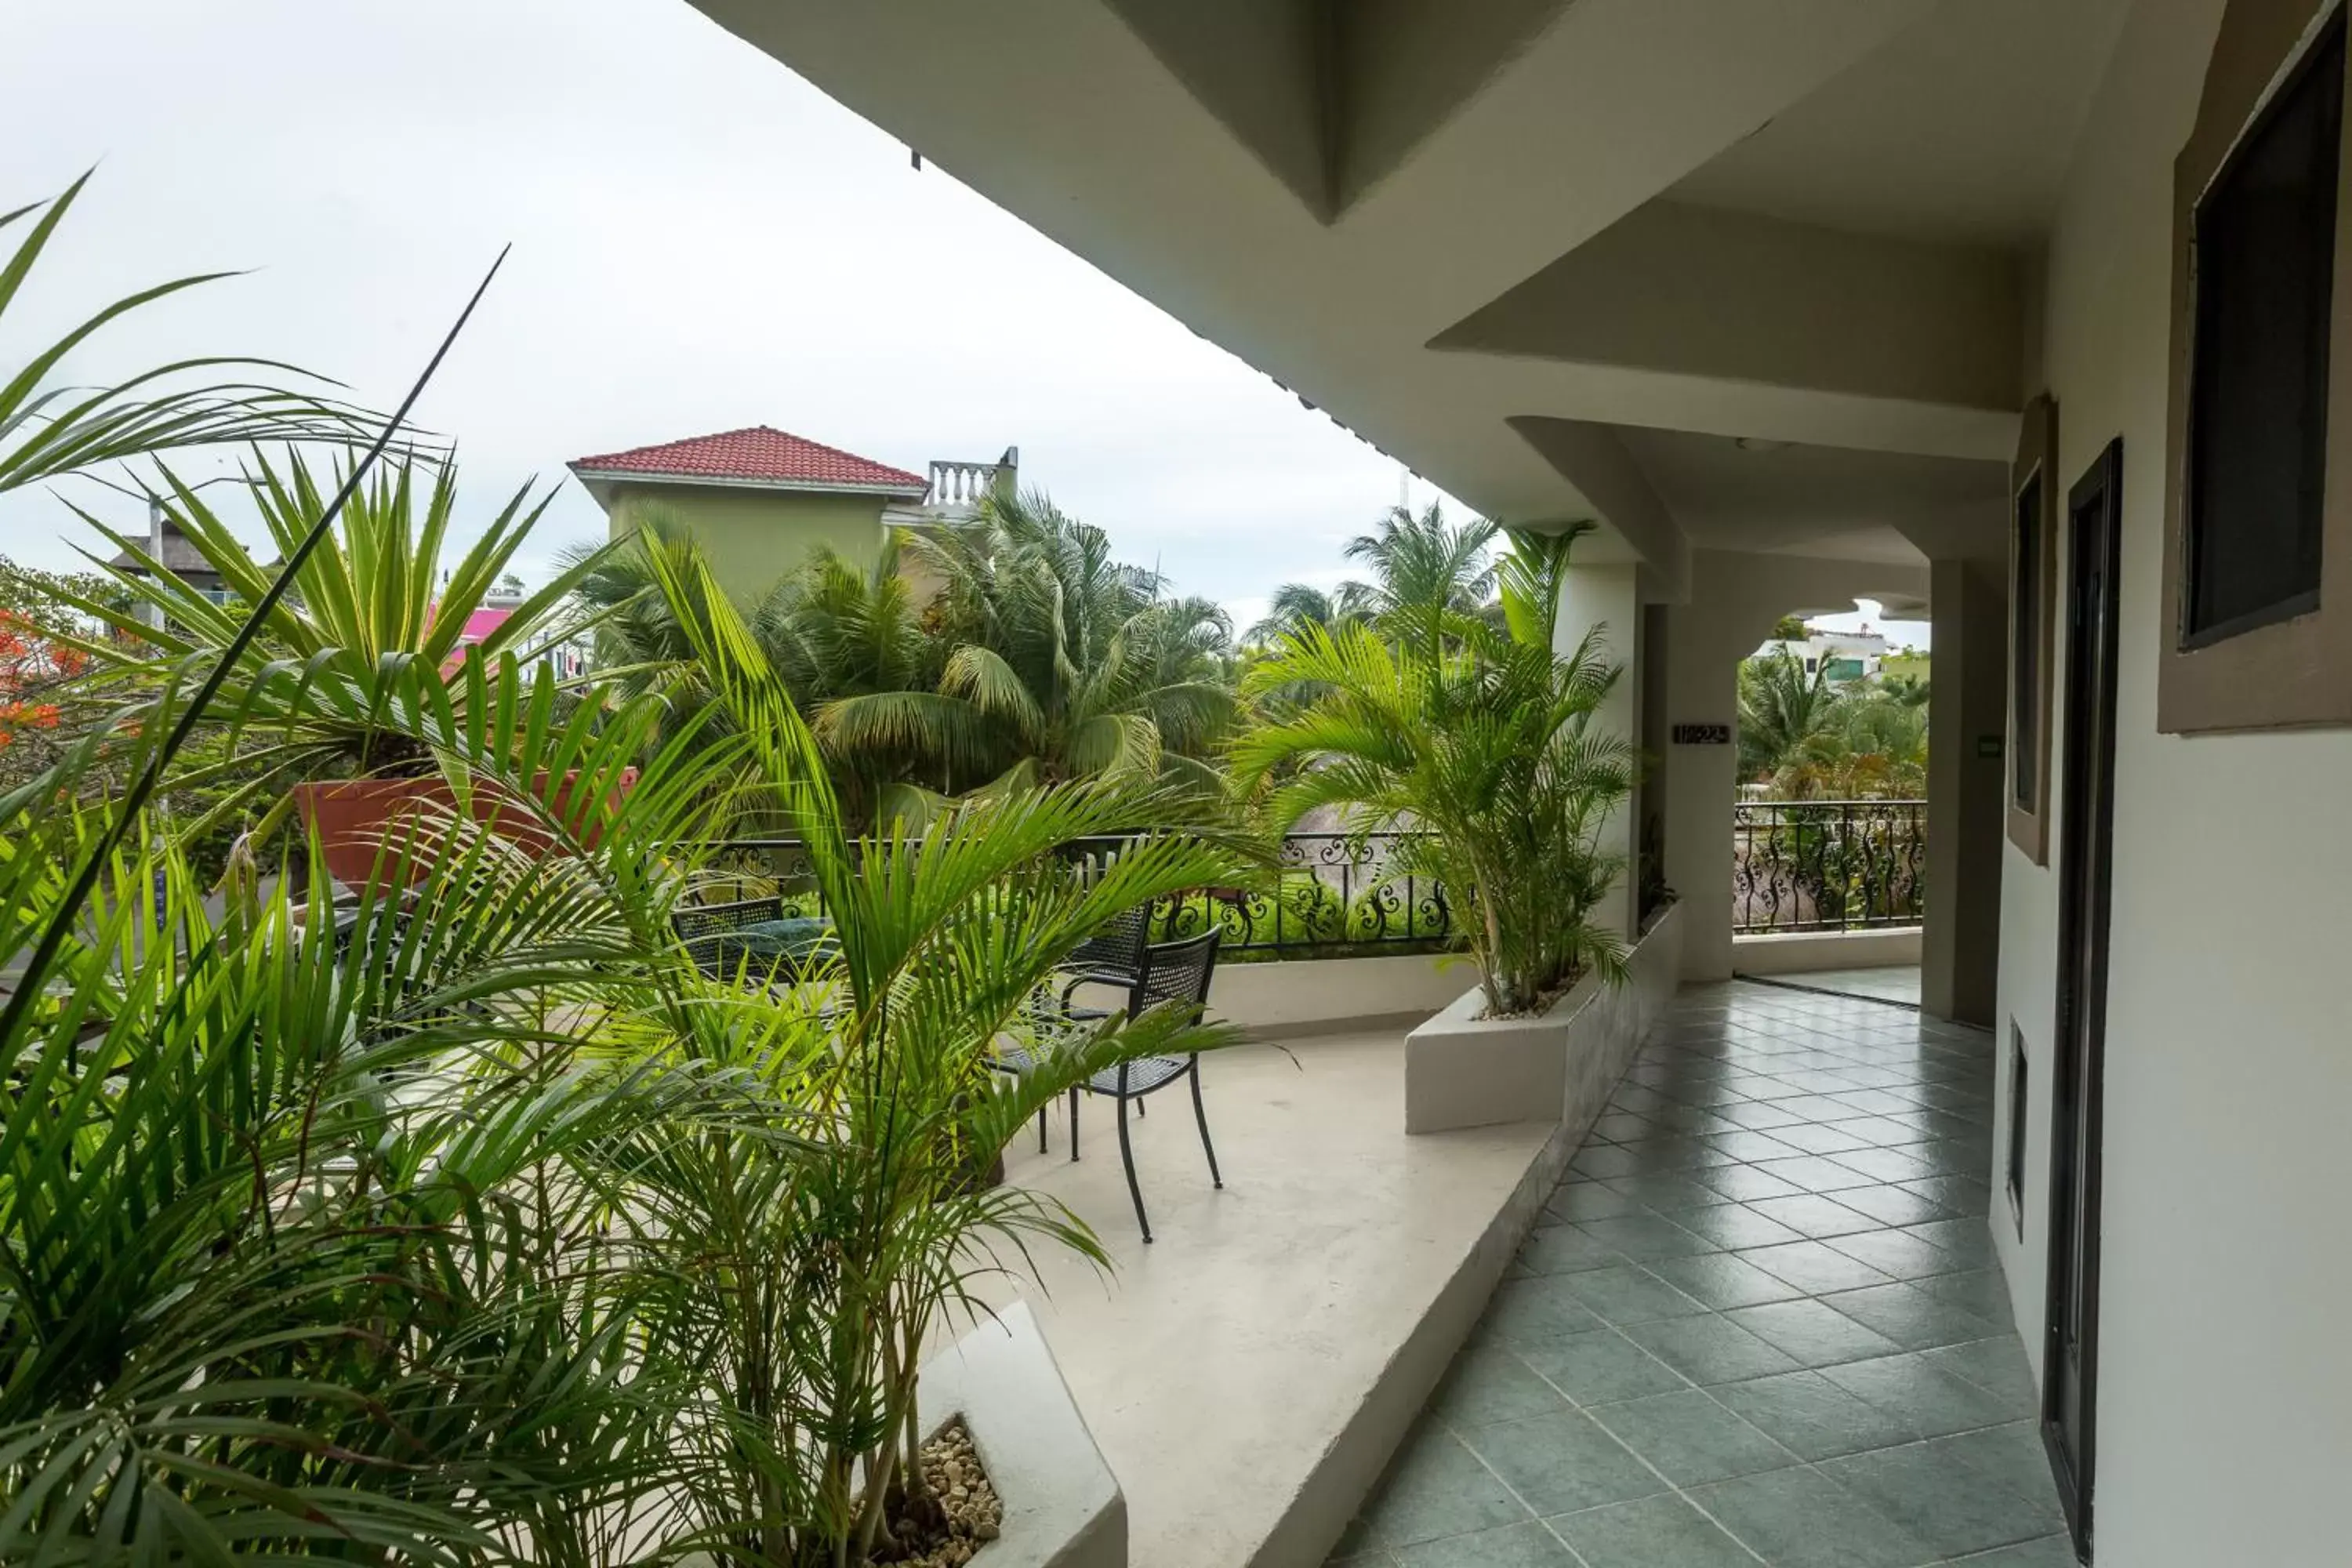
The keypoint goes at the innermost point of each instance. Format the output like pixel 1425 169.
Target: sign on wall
pixel 1702 734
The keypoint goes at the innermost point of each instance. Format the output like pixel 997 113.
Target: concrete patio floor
pixel 1252 1369
pixel 1762 1322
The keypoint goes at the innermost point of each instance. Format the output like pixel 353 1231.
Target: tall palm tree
pixel 1419 565
pixel 1067 663
pixel 1296 606
pixel 1780 708
pixel 1485 740
pixel 1421 562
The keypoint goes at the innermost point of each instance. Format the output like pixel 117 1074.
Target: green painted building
pixel 759 498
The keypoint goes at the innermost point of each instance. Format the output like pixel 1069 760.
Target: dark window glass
pixel 2025 653
pixel 2258 411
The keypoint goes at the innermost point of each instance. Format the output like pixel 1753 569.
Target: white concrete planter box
pixel 1462 1070
pixel 1802 952
pixel 1308 995
pixel 1063 1508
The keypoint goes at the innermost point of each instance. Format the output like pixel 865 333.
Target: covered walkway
pixel 1762 1322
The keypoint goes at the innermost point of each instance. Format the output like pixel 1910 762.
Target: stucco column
pixel 1608 596
pixel 1961 946
pixel 1702 779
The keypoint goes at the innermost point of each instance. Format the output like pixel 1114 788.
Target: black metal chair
pixel 704 928
pixel 1165 972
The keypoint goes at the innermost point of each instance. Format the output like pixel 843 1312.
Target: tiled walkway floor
pixel 1762 1322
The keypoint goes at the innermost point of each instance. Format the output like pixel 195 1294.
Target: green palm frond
pixel 46 434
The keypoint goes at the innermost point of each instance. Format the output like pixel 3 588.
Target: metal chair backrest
pixel 1175 972
pixel 1118 948
pixel 695 921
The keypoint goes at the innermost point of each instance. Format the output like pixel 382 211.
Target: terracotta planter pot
pixel 355 818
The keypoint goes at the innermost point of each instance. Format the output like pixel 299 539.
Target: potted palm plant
pixel 1484 743
pixel 381 650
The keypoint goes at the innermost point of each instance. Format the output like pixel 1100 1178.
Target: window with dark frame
pixel 2263 282
pixel 2025 650
pixel 2015 1164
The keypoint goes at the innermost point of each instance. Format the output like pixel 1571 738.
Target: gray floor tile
pixel 1950 1507
pixel 1750 1144
pixel 1735 1225
pixel 2012 1459
pixel 1623 1127
pixel 1541 1308
pixel 1589 1200
pixel 1628 1296
pixel 1894 1206
pixel 1816 1138
pixel 1679 1151
pixel 1487 1383
pixel 1762 1115
pixel 1600 1366
pixel 1437 1488
pixel 1558 1464
pixel 1665 1192
pixel 1801 1519
pixel 1709 1348
pixel 1817 1173
pixel 1984 1291
pixel 1934 1402
pixel 1812 1266
pixel 1967 1240
pixel 1722 1281
pixel 1813 1334
pixel 1997 1365
pixel 1690 1439
pixel 1910 1316
pixel 1811 1417
pixel 1815 1215
pixel 1889 1165
pixel 2049 1551
pixel 1660 1531
pixel 1599 1160
pixel 1529 1545
pixel 1564 1250
pixel 1896 1253
pixel 1643 1236
pixel 1962 1194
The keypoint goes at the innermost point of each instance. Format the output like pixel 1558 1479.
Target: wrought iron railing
pixel 1333 893
pixel 1828 864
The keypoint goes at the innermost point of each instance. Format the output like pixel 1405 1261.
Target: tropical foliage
pixel 1803 738
pixel 468 1220
pixel 1483 739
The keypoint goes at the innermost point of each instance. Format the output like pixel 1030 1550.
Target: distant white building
pixel 1849 655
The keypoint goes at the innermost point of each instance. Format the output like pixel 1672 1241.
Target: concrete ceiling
pixel 1958 130
pixel 1814 501
pixel 1550 253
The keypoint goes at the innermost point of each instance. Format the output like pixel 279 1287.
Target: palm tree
pixel 1418 563
pixel 1067 663
pixel 1296 606
pixel 1486 742
pixel 1423 563
pixel 1780 708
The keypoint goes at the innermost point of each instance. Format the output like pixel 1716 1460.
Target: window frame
pixel 2027 800
pixel 2294 668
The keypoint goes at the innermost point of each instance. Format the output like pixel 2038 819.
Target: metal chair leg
pixel 1041 1129
pixel 1074 1125
pixel 1201 1115
pixel 1127 1157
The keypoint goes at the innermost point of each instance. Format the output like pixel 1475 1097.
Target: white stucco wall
pixel 2225 1392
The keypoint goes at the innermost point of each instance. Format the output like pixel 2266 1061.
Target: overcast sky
pixel 701 241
